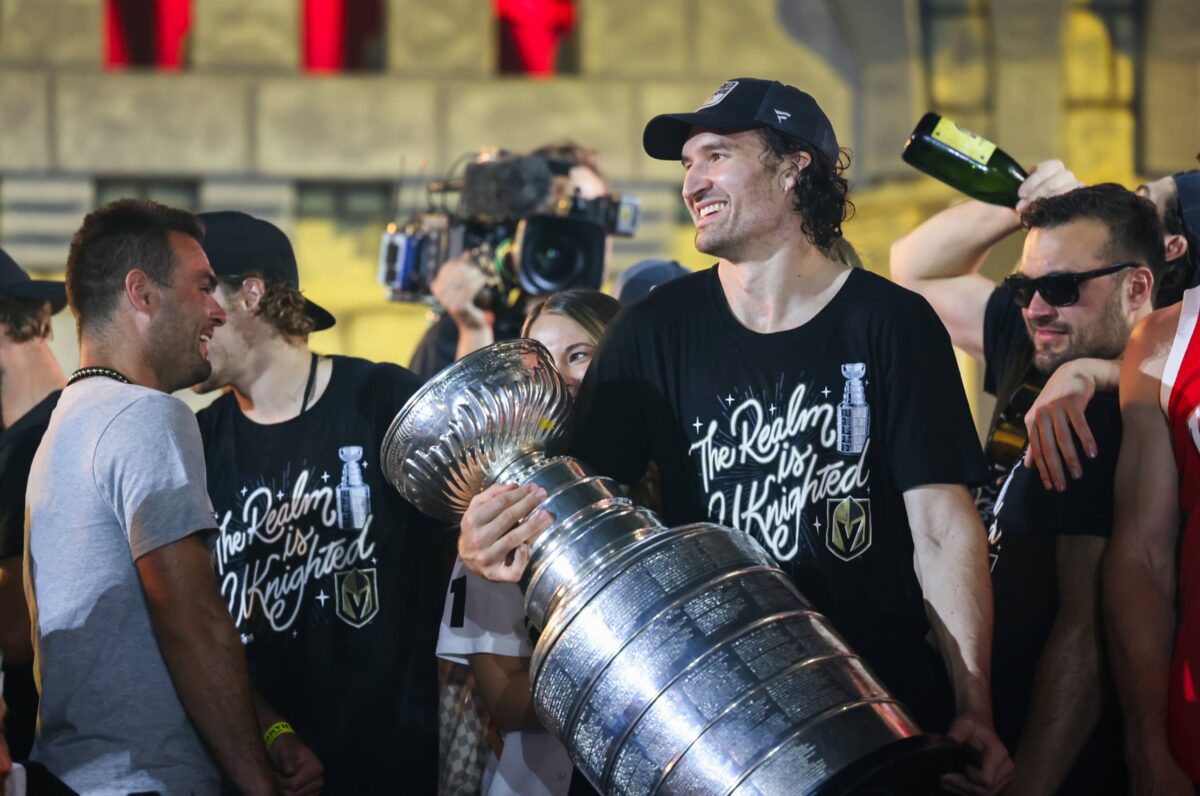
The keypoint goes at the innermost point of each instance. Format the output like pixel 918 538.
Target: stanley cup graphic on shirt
pixel 853 415
pixel 353 496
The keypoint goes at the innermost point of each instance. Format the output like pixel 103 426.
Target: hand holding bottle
pixel 1048 178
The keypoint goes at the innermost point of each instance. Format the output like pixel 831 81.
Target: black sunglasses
pixel 1058 290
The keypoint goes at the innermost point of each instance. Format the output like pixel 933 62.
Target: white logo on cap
pixel 782 116
pixel 720 94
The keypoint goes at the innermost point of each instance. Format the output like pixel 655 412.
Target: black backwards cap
pixel 15 282
pixel 745 103
pixel 237 242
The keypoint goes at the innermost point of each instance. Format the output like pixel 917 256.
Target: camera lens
pixel 557 261
pixel 558 253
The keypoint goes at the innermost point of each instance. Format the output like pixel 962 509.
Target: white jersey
pixel 482 616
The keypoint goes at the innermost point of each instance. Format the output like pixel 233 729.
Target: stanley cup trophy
pixel 670 660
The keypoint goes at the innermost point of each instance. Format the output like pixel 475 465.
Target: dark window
pixel 959 60
pixel 344 35
pixel 537 37
pixel 352 204
pixel 146 33
pixel 183 194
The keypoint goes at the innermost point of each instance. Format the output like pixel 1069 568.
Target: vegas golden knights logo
pixel 357 596
pixel 848 527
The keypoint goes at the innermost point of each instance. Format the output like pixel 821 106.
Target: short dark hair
pixel 281 305
pixel 114 240
pixel 1135 233
pixel 591 309
pixel 819 195
pixel 26 318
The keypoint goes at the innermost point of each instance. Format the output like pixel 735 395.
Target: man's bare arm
pixel 1060 410
pixel 941 258
pixel 1139 568
pixel 15 638
pixel 950 558
pixel 205 658
pixel 1065 704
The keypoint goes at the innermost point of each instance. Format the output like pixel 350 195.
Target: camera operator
pixel 466 326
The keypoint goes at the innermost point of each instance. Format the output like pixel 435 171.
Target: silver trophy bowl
pixel 669 661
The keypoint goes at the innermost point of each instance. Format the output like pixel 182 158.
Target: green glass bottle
pixel 964 161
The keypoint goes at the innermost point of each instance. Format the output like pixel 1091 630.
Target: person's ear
pixel 251 292
pixel 140 290
pixel 1140 287
pixel 1176 247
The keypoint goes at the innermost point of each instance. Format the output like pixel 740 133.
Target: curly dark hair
pixel 819 195
pixel 281 305
pixel 26 318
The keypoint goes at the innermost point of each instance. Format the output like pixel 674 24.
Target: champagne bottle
pixel 964 161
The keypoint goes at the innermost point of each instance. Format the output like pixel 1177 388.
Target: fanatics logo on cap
pixel 720 94
pixel 782 116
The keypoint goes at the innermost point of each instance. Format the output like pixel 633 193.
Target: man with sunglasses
pixel 1088 272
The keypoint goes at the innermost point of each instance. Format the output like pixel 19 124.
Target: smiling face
pixel 738 200
pixel 1098 325
pixel 184 323
pixel 569 345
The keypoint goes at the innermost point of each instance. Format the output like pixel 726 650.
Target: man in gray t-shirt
pixel 140 669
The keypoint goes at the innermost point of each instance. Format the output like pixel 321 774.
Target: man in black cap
pixel 30 383
pixel 812 405
pixel 334 581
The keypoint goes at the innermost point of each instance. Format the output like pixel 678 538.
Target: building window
pixel 1102 57
pixel 146 33
pixel 348 204
pixel 959 60
pixel 344 35
pixel 182 194
pixel 537 37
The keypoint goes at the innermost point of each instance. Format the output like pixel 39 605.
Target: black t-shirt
pixel 334 581
pixel 1028 524
pixel 1027 521
pixel 806 439
pixel 18 443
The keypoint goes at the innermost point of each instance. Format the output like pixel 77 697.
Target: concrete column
pixel 448 38
pixel 51 32
pixel 239 36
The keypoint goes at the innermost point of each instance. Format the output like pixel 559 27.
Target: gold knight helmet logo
pixel 357 596
pixel 848 527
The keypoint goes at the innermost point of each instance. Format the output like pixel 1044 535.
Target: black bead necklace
pixel 97 370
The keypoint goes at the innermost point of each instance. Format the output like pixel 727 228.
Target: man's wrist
pixel 274 732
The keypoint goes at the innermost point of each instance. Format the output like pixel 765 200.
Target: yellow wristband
pixel 274 731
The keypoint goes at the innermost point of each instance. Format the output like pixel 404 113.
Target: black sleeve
pixel 610 421
pixel 13 482
pixel 929 432
pixel 436 349
pixel 388 388
pixel 1004 334
pixel 1086 508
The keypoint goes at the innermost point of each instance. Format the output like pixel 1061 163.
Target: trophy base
pixel 905 768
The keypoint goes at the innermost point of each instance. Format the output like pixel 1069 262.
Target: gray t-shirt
pixel 119 474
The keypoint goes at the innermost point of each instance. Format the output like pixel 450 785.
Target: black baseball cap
pixel 15 282
pixel 237 242
pixel 745 103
